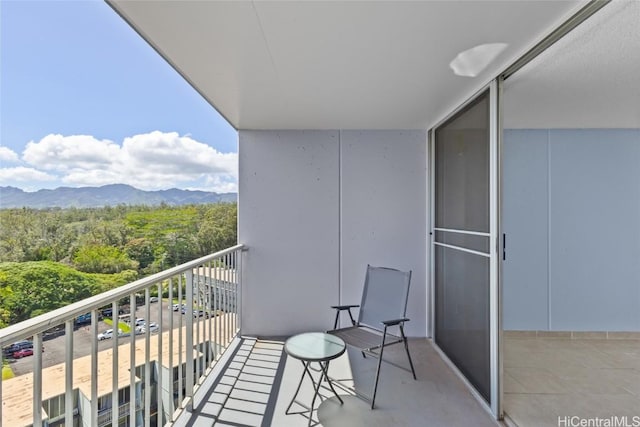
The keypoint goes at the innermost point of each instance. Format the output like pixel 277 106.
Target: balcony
pixel 212 375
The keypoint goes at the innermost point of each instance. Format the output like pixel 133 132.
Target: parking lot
pixel 54 349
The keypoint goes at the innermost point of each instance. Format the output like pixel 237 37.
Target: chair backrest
pixel 384 296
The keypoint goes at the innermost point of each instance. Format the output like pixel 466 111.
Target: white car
pixel 140 322
pixel 153 327
pixel 108 334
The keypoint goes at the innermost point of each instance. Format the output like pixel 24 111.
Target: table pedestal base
pixel 324 369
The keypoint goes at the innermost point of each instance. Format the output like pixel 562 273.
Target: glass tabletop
pixel 314 346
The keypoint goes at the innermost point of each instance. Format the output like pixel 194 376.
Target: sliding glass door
pixel 463 243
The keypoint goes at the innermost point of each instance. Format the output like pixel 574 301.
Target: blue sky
pixel 85 101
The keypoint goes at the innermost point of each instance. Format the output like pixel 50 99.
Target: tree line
pixel 52 257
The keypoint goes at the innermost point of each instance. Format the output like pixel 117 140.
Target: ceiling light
pixel 473 61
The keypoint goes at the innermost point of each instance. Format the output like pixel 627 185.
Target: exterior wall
pixel 288 218
pixel 84 410
pixel 383 213
pixel 314 208
pixel 572 218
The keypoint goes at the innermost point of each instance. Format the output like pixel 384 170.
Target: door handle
pixel 504 246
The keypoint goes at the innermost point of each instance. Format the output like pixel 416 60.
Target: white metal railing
pixel 182 350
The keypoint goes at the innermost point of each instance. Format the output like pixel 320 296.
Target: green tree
pixel 140 250
pixel 102 259
pixel 218 228
pixel 5 296
pixel 32 288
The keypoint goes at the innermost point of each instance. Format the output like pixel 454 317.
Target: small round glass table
pixel 314 347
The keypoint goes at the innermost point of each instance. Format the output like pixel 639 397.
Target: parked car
pixel 153 299
pixel 108 312
pixel 83 319
pixel 22 353
pixel 140 322
pixel 17 346
pixel 200 313
pixel 108 334
pixel 53 333
pixel 177 307
pixel 153 328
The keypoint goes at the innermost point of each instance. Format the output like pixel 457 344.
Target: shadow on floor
pixel 260 380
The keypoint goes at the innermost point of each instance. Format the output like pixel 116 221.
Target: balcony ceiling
pixel 588 79
pixel 336 65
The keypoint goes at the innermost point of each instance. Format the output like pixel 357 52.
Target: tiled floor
pixel 261 381
pixel 548 378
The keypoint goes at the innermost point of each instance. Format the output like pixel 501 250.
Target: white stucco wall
pixel 314 208
pixel 383 213
pixel 288 218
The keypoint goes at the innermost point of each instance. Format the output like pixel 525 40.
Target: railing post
pixel 37 380
pixel 234 291
pixel 147 357
pixel 189 338
pixel 181 373
pixel 209 311
pixel 69 404
pixel 133 397
pixel 195 314
pixel 94 367
pixel 115 404
pixel 171 407
pixel 160 360
pixel 239 286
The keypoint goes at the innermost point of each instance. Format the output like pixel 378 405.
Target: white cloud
pixel 171 154
pixel 150 161
pixel 65 153
pixel 8 155
pixel 22 174
pixel 224 184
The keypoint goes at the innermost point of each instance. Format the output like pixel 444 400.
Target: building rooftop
pixel 17 393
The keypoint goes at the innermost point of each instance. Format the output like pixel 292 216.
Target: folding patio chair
pixel 384 304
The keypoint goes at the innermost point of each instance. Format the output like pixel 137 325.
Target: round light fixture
pixel 473 61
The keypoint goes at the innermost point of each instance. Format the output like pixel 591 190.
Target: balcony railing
pixel 196 307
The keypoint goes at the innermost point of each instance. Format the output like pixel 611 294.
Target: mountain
pixel 108 195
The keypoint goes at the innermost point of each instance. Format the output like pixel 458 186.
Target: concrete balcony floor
pixel 259 381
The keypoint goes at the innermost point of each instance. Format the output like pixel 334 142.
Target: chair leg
pixel 406 347
pixel 353 322
pixel 375 385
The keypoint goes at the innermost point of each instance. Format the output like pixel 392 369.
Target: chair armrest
pixel 345 307
pixel 394 321
pixel 339 309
